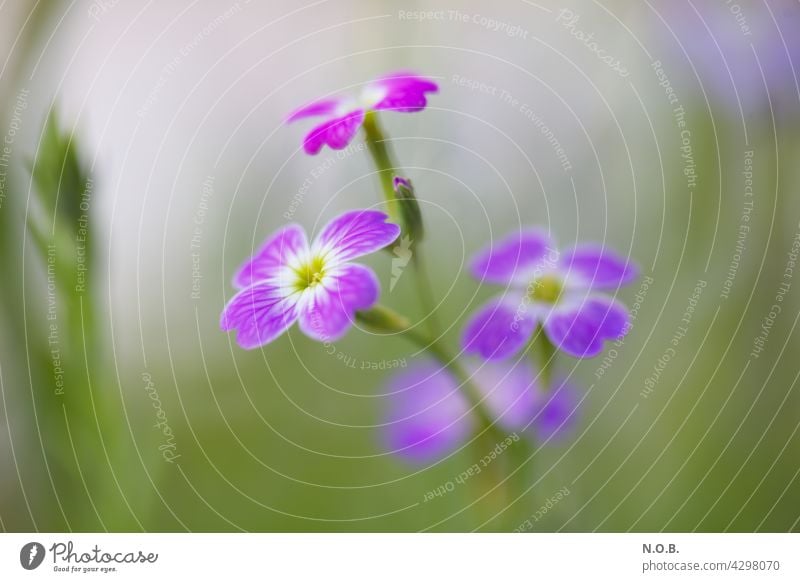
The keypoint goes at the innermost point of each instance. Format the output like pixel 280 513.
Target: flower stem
pixel 387 169
pixel 425 293
pixel 543 353
pixel 445 359
pixel 382 157
pixel 382 318
pixel 496 490
pixel 493 503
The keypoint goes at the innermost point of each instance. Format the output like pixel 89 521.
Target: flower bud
pixel 410 212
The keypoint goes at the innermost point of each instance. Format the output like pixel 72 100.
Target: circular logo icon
pixel 31 555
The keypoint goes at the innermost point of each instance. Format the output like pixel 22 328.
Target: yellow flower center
pixel 310 273
pixel 546 289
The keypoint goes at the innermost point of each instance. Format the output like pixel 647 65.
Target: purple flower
pixel 744 55
pixel 557 412
pixel 400 91
pixel 560 292
pixel 289 280
pixel 429 417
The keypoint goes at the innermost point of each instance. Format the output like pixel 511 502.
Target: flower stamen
pixel 546 289
pixel 310 273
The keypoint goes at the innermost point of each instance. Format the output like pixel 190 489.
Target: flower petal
pixel 557 412
pixel 354 234
pixel 593 266
pixel 510 392
pixel 579 326
pixel 336 133
pixel 327 310
pixel 285 246
pixel 319 107
pixel 500 328
pixel 259 314
pixel 517 258
pixel 428 416
pixel 402 91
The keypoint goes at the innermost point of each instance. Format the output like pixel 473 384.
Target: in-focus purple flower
pixel 399 91
pixel 562 292
pixel 429 417
pixel 289 280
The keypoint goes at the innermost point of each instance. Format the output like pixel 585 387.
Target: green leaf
pixel 59 178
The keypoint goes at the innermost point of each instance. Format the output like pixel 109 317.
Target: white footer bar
pixel 389 557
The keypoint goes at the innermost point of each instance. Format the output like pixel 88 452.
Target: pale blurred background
pixel 177 110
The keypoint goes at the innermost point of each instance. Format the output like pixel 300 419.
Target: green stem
pixel 387 166
pixel 381 318
pixel 384 319
pixel 425 294
pixel 493 504
pixel 382 157
pixel 468 387
pixel 543 353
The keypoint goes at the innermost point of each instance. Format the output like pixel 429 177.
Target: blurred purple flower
pixel 729 45
pixel 557 412
pixel 289 280
pixel 428 416
pixel 399 91
pixel 560 292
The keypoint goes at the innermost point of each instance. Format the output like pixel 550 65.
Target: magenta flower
pixel 428 416
pixel 317 285
pixel 560 292
pixel 400 91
